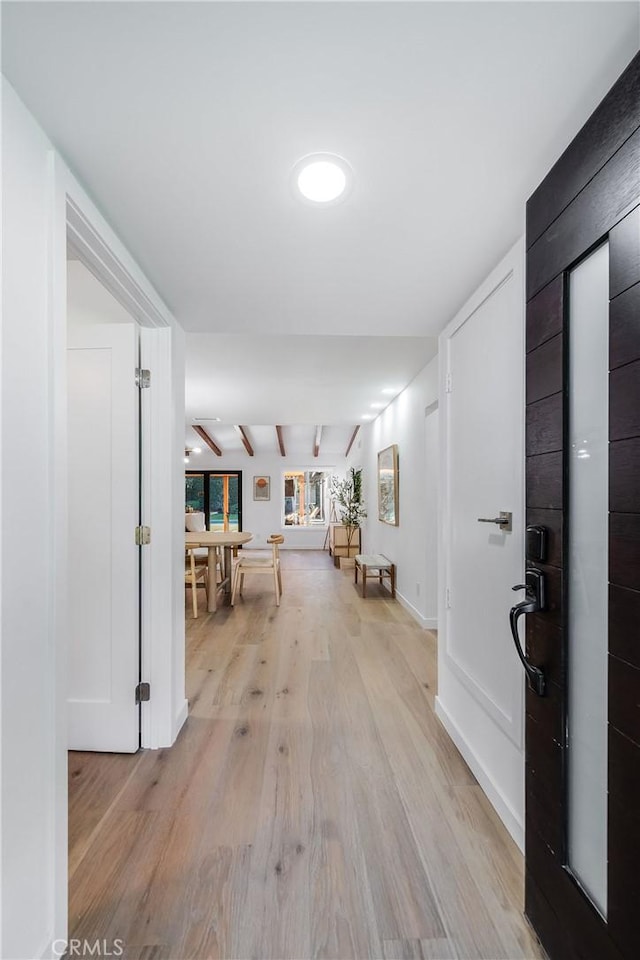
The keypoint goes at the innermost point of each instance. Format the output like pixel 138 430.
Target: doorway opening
pixel 112 716
pixel 104 491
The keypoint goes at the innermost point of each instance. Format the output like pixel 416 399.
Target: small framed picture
pixel 262 488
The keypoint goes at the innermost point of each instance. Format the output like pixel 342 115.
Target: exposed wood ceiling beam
pixel 280 441
pixel 210 442
pixel 353 436
pixel 316 445
pixel 245 439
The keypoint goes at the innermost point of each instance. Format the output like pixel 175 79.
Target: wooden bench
pixel 375 565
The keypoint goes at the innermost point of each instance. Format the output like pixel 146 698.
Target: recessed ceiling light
pixel 322 178
pixel 377 405
pixel 367 416
pixel 390 391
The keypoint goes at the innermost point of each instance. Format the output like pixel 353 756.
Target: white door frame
pixel 433 564
pixel 76 219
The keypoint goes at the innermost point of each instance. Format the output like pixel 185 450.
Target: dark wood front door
pixel 589 201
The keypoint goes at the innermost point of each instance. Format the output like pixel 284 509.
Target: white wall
pixel 33 840
pixel 262 518
pixel 410 421
pixel 88 301
pixel 29 869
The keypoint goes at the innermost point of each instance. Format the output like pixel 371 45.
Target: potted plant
pixel 346 496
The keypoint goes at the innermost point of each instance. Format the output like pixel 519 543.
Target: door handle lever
pixel 535 675
pixel 504 521
pixel 534 602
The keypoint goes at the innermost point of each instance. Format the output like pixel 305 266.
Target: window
pixel 194 492
pixel 304 497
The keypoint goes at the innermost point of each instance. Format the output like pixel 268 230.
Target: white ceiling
pixel 184 121
pixel 297 380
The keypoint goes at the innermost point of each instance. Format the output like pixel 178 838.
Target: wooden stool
pixel 375 565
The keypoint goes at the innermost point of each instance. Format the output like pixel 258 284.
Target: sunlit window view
pixel 216 495
pixel 194 492
pixel 304 497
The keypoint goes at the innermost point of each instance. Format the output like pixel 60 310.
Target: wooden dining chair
pixel 196 570
pixel 269 565
pixel 194 522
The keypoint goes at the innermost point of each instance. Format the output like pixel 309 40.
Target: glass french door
pixel 217 494
pixel 224 502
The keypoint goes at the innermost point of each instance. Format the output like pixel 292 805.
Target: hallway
pixel 312 806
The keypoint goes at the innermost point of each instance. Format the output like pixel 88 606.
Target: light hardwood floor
pixel 312 806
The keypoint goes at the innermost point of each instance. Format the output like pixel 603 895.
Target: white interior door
pixel 486 476
pixel 103 558
pixel 480 681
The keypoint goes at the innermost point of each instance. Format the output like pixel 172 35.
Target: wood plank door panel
pixel 592 195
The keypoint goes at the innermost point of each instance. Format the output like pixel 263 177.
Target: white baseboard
pixel 428 623
pixel 511 820
pixel 299 546
pixel 181 718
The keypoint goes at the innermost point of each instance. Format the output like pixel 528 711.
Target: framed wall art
pixel 262 488
pixel 388 485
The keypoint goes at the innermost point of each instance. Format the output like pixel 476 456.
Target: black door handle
pixel 534 602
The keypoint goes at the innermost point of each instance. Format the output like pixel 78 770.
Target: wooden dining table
pixel 212 539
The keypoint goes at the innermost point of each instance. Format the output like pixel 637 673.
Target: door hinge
pixel 143 378
pixel 143 692
pixel 447 384
pixel 143 536
pixel 447 598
